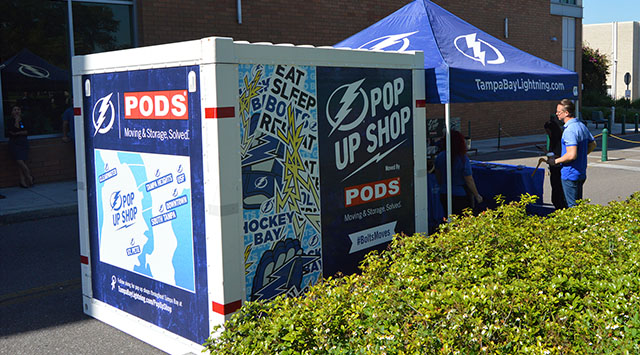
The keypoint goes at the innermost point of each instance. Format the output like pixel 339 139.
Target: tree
pixel 595 67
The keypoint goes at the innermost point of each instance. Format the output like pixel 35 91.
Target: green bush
pixel 629 113
pixel 503 282
pixel 593 98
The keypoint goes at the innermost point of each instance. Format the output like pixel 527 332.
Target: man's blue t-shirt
pixel 460 166
pixel 575 134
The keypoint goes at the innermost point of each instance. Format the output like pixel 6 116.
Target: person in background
pixel 461 178
pixel 19 146
pixel 577 142
pixel 554 132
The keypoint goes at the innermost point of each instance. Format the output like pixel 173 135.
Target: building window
pixel 569 43
pixel 35 52
pixel 101 27
pixel 35 63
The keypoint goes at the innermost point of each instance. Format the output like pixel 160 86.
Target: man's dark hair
pixel 569 106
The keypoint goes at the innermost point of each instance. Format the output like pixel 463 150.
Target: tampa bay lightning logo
pixel 103 121
pixel 261 182
pixel 33 71
pixel 347 107
pixel 476 49
pixel 267 206
pixel 399 42
pixel 116 201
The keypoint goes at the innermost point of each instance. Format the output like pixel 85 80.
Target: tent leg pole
pixel 447 123
pixel 1 104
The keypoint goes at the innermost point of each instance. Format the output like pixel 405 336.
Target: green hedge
pixel 503 282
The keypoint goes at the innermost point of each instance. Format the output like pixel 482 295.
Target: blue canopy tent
pixel 463 63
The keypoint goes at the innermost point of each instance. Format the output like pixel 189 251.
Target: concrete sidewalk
pixel 60 198
pixel 40 201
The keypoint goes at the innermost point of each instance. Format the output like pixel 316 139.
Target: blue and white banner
pixel 463 63
pixel 146 215
pixel 365 134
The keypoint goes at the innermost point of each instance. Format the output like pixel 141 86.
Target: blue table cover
pixel 491 179
pixel 511 181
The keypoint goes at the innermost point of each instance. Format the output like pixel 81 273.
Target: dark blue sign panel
pixel 146 216
pixel 365 141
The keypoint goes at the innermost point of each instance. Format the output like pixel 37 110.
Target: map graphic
pixel 145 215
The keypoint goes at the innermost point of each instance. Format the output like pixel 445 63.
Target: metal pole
pixel 447 123
pixel 72 50
pixel 624 121
pixel 134 20
pixel 499 132
pixel 239 2
pixel 605 138
pixel 612 119
pixel 636 122
pixel 614 71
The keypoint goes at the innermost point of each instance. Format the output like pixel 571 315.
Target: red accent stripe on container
pixel 84 259
pixel 219 112
pixel 77 111
pixel 225 309
pixel 421 103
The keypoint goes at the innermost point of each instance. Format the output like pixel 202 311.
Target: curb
pixel 29 215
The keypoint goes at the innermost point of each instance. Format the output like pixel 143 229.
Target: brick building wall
pixel 49 160
pixel 320 23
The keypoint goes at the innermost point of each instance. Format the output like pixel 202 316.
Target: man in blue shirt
pixel 577 143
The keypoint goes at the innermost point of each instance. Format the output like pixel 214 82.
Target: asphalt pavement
pixel 40 291
pixel 41 295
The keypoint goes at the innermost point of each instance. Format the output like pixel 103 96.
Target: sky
pixel 603 11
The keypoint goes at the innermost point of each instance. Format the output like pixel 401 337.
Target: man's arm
pixel 569 156
pixel 591 147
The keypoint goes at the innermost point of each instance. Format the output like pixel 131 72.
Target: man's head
pixel 566 110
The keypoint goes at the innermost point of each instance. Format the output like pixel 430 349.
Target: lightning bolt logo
pixel 103 105
pixel 479 55
pixel 116 201
pixel 475 46
pixel 261 182
pixel 385 42
pixel 374 159
pixel 295 177
pixel 247 265
pixel 351 92
pixel 33 71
